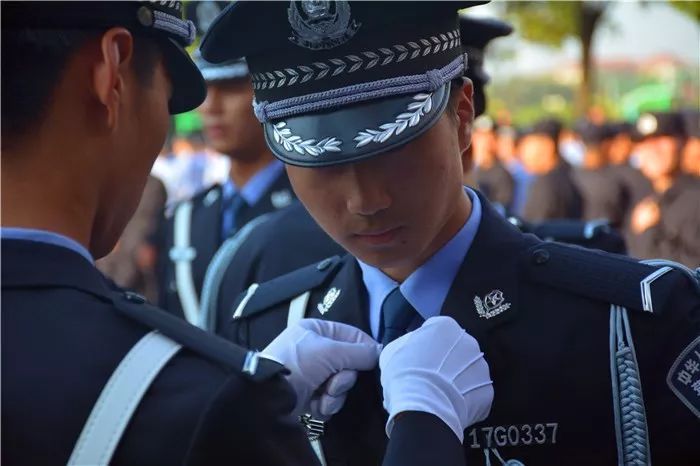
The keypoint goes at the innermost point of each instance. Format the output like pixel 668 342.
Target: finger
pixel 330 405
pixel 315 410
pixel 339 356
pixel 340 383
pixel 337 331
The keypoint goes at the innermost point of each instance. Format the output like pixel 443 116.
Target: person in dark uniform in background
pixel 690 160
pixel 86 96
pixel 493 180
pixel 552 194
pixel 264 255
pixel 634 186
pixel 569 334
pixel 600 193
pixel 257 184
pixel 667 223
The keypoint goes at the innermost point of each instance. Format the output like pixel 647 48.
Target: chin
pixel 389 258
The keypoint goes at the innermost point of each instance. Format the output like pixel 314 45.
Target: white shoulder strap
pixel 297 311
pixel 182 254
pixel 248 294
pixel 119 399
pixel 217 269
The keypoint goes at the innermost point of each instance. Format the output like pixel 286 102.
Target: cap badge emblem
pixel 492 305
pixel 281 199
pixel 320 24
pixel 328 300
pixel 647 124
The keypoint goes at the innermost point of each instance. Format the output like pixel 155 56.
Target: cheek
pixel 320 195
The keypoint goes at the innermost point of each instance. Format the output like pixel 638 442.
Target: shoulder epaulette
pixel 611 278
pixel 291 285
pixel 209 346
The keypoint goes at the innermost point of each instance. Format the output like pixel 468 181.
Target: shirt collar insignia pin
pixel 211 197
pixel 492 305
pixel 328 300
pixel 281 199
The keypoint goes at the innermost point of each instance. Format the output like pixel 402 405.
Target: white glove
pixel 437 369
pixel 323 355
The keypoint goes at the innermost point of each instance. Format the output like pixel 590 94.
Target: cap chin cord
pixel 401 85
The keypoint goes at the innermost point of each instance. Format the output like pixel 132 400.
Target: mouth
pixel 215 130
pixel 378 237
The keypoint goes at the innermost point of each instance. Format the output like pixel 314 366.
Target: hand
pixel 322 355
pixel 437 369
pixel 645 215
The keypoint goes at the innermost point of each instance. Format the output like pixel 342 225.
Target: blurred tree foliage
pixel 690 8
pixel 552 22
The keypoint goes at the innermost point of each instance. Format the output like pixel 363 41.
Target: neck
pixel 487 162
pixel 462 211
pixel 37 195
pixel 663 183
pixel 243 169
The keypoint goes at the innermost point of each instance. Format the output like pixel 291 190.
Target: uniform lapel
pixel 356 434
pixel 485 291
pixel 344 299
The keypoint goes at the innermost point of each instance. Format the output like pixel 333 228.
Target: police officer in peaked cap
pixel 601 195
pixel 552 193
pixel 665 223
pixel 594 357
pixel 93 374
pixel 257 183
pixel 260 254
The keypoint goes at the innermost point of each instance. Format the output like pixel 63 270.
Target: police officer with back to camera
pixel 260 254
pixel 594 357
pixel 258 184
pixel 93 374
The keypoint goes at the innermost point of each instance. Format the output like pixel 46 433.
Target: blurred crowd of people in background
pixel 642 178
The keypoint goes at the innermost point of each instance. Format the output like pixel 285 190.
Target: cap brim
pixel 355 132
pixel 189 88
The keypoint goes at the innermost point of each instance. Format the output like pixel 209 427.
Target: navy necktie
pixel 231 211
pixel 397 315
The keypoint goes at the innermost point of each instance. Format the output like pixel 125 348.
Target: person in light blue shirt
pixel 426 287
pixel 93 374
pixel 257 184
pixel 374 142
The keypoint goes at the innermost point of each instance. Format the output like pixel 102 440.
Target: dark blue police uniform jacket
pixel 582 374
pixel 287 240
pixel 64 332
pixel 290 239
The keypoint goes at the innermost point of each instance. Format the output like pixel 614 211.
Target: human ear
pixel 113 60
pixel 465 114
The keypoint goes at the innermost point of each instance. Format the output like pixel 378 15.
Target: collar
pixel 258 185
pixel 48 237
pixel 427 287
pixel 30 264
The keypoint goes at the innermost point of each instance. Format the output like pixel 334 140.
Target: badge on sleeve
pixel 684 377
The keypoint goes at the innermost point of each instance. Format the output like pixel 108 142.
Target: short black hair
pixel 33 61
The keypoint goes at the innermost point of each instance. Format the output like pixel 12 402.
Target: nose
pixel 212 103
pixel 367 189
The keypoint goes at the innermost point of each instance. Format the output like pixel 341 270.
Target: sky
pixel 632 31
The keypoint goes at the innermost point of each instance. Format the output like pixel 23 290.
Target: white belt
pixel 120 398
